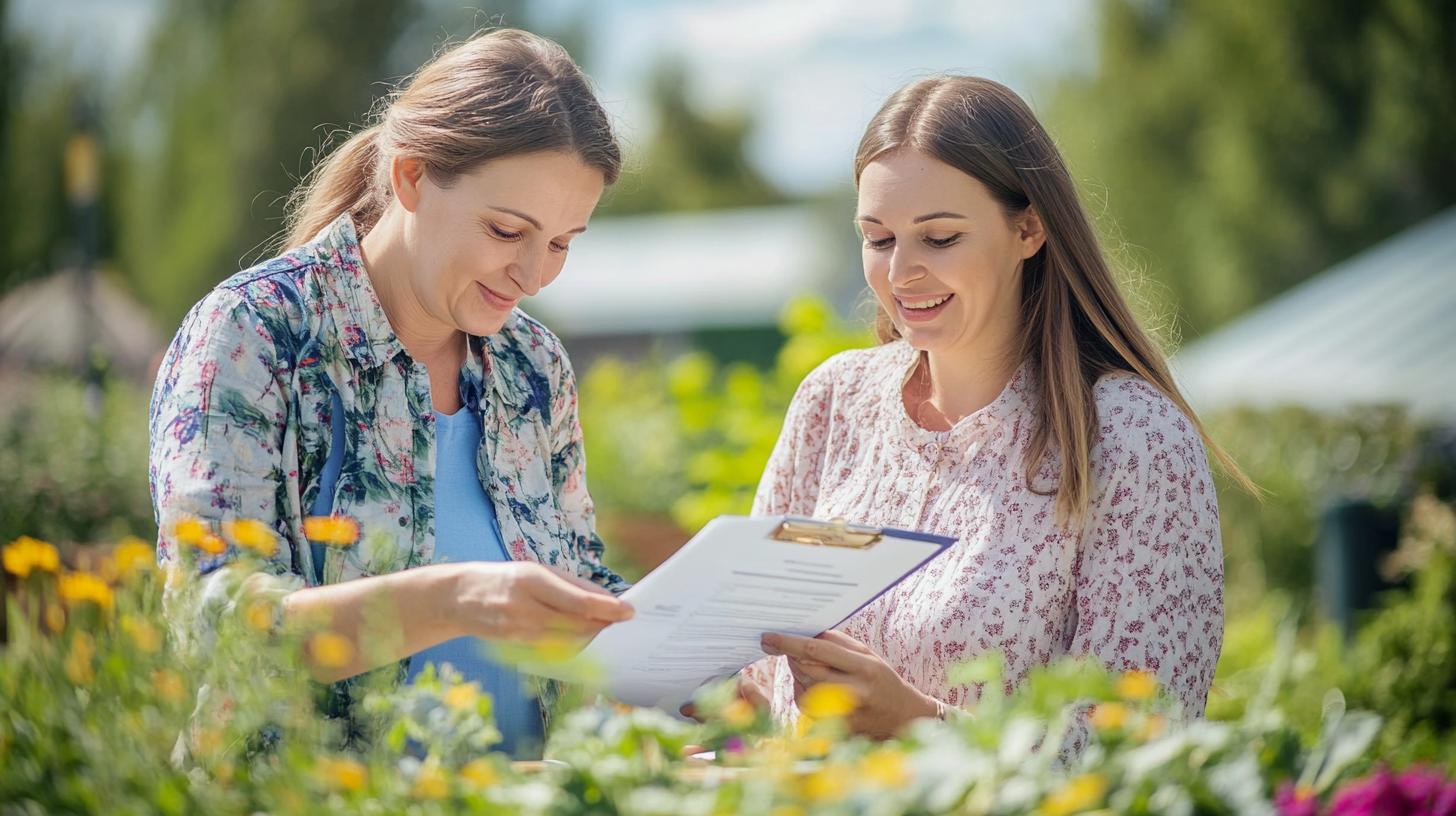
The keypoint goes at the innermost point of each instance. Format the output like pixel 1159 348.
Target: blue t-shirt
pixel 466 530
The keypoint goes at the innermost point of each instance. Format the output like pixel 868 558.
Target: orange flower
pixel 339 531
pixel 259 615
pixel 168 685
pixel 331 650
pixel 189 530
pixel 739 713
pixel 252 535
pixel 211 544
pixel 430 782
pixel 1109 716
pixel 1137 685
pixel 25 554
pixel 480 773
pixel 342 774
pixel 83 587
pixel 827 700
pixel 462 696
pixel 133 556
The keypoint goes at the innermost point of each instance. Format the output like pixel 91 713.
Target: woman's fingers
pixel 840 638
pixel 567 598
pixel 815 650
pixel 808 672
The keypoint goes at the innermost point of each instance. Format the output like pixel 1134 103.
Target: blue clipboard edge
pixel 942 543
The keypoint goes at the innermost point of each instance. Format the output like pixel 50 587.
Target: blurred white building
pixel 1377 328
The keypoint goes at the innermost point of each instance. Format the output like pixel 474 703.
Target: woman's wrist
pixel 429 594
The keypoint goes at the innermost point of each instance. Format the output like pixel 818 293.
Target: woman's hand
pixel 526 601
pixel 886 702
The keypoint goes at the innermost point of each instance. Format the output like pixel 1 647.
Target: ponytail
pixel 348 181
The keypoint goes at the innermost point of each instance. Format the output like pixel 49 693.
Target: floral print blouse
pixel 1139 587
pixel 241 424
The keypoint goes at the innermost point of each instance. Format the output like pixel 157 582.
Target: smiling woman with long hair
pixel 1015 404
pixel 379 369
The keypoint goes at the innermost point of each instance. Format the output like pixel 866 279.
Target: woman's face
pixel 941 255
pixel 498 234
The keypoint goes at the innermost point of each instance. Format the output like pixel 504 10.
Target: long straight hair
pixel 500 93
pixel 1076 326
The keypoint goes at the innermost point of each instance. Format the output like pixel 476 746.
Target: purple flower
pixel 1289 800
pixel 733 745
pixel 1418 791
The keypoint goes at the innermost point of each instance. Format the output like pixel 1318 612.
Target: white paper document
pixel 700 615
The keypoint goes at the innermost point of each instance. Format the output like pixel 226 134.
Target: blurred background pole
pixel 83 195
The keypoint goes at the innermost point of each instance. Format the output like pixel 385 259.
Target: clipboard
pixel 701 613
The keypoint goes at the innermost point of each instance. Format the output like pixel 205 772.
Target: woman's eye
pixel 942 243
pixel 555 247
pixel 504 235
pixel 879 243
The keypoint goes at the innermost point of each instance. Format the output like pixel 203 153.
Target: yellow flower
pixel 83 587
pixel 340 531
pixel 189 530
pixel 884 767
pixel 55 617
pixel 142 632
pixel 211 544
pixel 331 650
pixel 828 700
pixel 1137 686
pixel 26 554
pixel 462 696
pixel 252 535
pixel 1109 716
pixel 133 556
pixel 1079 794
pixel 739 713
pixel 78 659
pixel 168 685
pixel 259 615
pixel 430 782
pixel 480 773
pixel 827 784
pixel 342 773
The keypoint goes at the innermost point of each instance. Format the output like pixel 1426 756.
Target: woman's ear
pixel 1030 232
pixel 405 175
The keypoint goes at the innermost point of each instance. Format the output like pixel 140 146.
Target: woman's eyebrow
pixel 935 215
pixel 533 222
pixel 918 219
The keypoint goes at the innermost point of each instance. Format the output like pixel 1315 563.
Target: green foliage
pixel 1303 459
pixel 1242 148
pixel 229 726
pixel 68 476
pixel 1403 661
pixel 690 436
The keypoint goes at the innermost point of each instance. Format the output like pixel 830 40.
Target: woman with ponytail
pixel 378 369
pixel 1015 404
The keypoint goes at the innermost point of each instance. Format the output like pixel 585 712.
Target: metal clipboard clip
pixel 835 533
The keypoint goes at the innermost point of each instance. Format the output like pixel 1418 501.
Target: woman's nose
pixel 904 266
pixel 528 271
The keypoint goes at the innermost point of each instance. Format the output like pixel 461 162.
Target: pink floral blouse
pixel 1141 587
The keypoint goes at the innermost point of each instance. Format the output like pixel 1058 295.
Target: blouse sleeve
pixel 1149 576
pixel 568 468
pixel 790 481
pixel 216 426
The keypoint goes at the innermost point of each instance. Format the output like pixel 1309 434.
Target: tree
pixel 1240 148
pixel 235 104
pixel 692 161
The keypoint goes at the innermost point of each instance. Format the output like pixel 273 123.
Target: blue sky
pixel 812 71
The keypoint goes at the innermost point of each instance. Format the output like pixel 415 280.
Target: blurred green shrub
pixel 1304 459
pixel 67 475
pixel 689 437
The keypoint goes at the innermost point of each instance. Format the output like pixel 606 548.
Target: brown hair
pixel 1077 326
pixel 500 93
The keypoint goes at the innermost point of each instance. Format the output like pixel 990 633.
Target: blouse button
pixel 403 521
pixel 932 450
